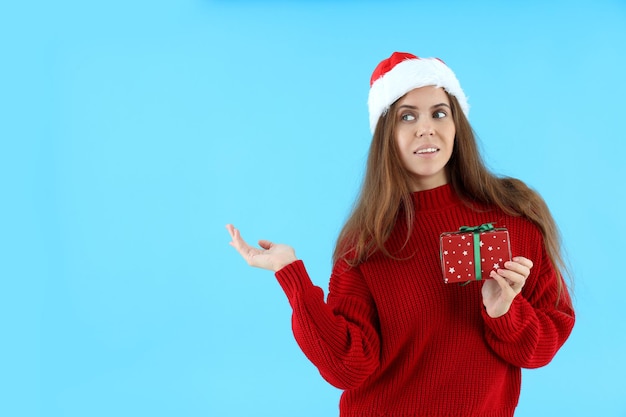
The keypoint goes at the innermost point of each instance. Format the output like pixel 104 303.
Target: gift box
pixel 473 252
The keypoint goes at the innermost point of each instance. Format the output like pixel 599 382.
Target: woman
pixel 397 339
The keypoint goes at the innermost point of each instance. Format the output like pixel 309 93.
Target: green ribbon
pixel 476 231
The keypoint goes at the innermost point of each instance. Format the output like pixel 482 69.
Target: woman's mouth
pixel 426 151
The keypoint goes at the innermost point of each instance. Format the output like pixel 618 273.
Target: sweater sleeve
pixel 338 336
pixel 539 321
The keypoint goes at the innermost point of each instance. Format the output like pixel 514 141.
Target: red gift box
pixel 483 246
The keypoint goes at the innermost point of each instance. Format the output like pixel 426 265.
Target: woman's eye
pixel 407 117
pixel 440 114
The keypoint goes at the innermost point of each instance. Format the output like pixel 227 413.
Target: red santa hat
pixel 403 72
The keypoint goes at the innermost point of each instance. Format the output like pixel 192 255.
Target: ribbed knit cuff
pixel 294 279
pixel 507 326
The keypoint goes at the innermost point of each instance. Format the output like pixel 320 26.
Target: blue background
pixel 133 131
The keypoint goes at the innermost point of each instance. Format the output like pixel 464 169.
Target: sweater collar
pixel 435 198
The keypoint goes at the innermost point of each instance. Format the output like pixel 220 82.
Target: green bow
pixel 476 230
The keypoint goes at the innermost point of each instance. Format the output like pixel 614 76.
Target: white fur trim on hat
pixel 406 76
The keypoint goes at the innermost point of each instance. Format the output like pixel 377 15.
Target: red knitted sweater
pixel 400 342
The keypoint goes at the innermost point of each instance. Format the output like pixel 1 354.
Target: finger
pixel 234 233
pixel 523 261
pixel 512 276
pixel 265 244
pixel 518 268
pixel 237 241
pixel 510 283
pixel 504 284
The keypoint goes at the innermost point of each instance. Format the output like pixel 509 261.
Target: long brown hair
pixel 386 193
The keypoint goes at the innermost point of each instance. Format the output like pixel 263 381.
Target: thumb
pixel 265 244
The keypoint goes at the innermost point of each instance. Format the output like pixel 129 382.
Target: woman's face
pixel 425 134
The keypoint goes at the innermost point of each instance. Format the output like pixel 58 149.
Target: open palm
pixel 269 256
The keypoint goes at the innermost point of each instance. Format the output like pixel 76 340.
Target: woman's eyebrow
pixel 408 106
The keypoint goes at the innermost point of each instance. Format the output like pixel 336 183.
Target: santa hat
pixel 403 72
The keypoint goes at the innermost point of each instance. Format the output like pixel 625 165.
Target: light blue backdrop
pixel 133 131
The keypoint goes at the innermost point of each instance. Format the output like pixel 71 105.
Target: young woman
pixel 397 339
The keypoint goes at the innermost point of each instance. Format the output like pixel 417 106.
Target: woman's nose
pixel 424 129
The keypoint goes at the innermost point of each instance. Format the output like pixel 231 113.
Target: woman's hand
pixel 498 294
pixel 271 256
